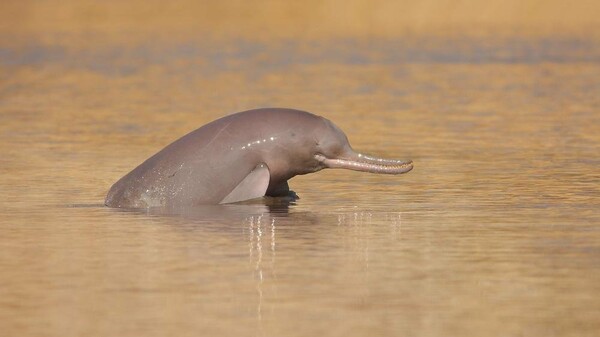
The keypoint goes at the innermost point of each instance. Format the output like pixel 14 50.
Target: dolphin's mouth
pixel 365 163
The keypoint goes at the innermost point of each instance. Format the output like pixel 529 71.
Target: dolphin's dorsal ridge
pixel 254 185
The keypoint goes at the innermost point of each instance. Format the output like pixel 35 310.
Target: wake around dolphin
pixel 242 156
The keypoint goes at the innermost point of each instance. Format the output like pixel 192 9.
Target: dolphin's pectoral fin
pixel 254 185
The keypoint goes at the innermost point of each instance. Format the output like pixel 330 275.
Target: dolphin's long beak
pixel 360 162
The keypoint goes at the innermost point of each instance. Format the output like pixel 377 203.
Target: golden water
pixel 496 232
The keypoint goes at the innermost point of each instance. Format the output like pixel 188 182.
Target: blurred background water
pixel 495 232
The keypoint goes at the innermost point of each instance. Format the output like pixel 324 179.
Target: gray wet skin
pixel 242 156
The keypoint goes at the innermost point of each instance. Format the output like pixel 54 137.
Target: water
pixel 495 232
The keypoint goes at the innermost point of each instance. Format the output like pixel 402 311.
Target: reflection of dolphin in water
pixel 221 218
pixel 257 246
pixel 242 156
pixel 225 213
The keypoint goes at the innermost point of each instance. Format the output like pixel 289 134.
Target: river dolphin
pixel 242 156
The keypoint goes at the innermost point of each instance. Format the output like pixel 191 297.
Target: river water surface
pixel 496 231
